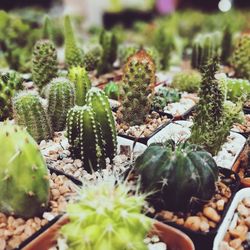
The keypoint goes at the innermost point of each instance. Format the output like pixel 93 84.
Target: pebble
pixel 211 214
pixel 157 246
pixel 193 223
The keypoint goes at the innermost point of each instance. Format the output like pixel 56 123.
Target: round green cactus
pixel 30 113
pixel 61 98
pixel 23 172
pixel 112 90
pixel 44 63
pixel 92 56
pixel 107 217
pixel 176 174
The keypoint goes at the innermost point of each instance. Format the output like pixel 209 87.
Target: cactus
pixel 125 51
pixel 92 56
pixel 112 90
pixel 104 117
pixel 23 172
pixel 61 98
pixel 10 82
pixel 226 45
pixel 109 45
pixel 44 63
pixel 79 76
pixel 29 112
pixel 139 80
pixel 85 138
pixel 241 57
pixel 47 32
pixel 108 217
pixel 73 54
pixel 188 81
pixel 205 47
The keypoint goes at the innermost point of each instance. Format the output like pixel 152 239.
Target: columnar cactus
pixel 61 98
pixel 23 172
pixel 104 117
pixel 85 138
pixel 44 63
pixel 107 217
pixel 92 56
pixel 241 57
pixel 47 32
pixel 29 112
pixel 10 82
pixel 227 44
pixel 73 54
pixel 139 80
pixel 79 76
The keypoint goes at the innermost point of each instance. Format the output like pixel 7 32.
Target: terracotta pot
pixel 174 238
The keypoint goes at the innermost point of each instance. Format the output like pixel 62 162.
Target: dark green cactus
pixel 29 112
pixel 10 82
pixel 85 138
pixel 138 83
pixel 79 76
pixel 109 45
pixel 226 45
pixel 112 90
pixel 73 53
pixel 61 98
pixel 104 117
pixel 23 172
pixel 241 57
pixel 44 63
pixel 92 56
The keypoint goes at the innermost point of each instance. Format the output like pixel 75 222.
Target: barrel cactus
pixel 241 57
pixel 44 63
pixel 61 98
pixel 175 174
pixel 104 117
pixel 92 56
pixel 114 219
pixel 112 90
pixel 23 172
pixel 30 113
pixel 79 76
pixel 138 83
pixel 73 54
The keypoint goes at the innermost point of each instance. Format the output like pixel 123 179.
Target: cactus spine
pixel 29 112
pixel 139 80
pixel 44 63
pixel 103 115
pixel 79 76
pixel 61 98
pixel 73 54
pixel 23 172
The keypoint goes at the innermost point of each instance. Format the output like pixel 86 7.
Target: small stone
pixel 2 244
pixel 204 226
pixel 157 246
pixel 243 211
pixel 167 215
pixel 193 223
pixel 246 202
pixel 211 214
pixel 55 193
pixel 239 232
pixel 220 205
pixel 235 243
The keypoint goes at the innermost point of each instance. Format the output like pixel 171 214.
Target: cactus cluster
pixel 107 217
pixel 79 76
pixel 10 82
pixel 138 84
pixel 44 63
pixel 188 81
pixel 61 98
pixel 205 47
pixel 91 131
pixel 30 113
pixel 23 172
pixel 73 53
pixel 92 56
pixel 241 57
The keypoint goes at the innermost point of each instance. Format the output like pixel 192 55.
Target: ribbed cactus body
pixel 73 54
pixel 85 138
pixel 92 56
pixel 79 76
pixel 44 63
pixel 139 80
pixel 241 57
pixel 29 112
pixel 24 176
pixel 104 117
pixel 61 98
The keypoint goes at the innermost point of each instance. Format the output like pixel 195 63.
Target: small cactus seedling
pixel 104 117
pixel 92 56
pixel 44 63
pixel 23 172
pixel 79 76
pixel 138 83
pixel 107 217
pixel 61 98
pixel 112 90
pixel 73 54
pixel 29 112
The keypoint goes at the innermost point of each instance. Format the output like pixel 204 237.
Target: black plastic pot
pixel 246 110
